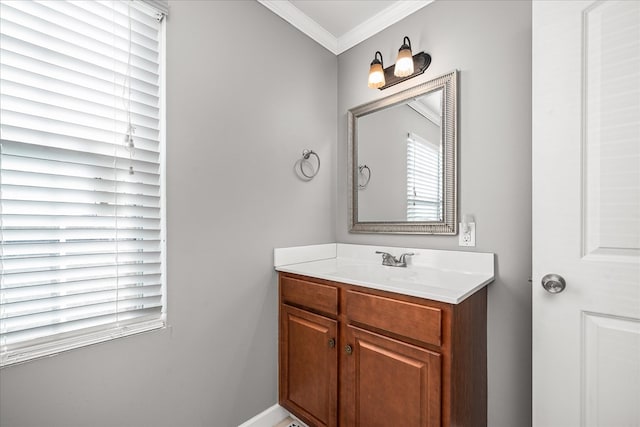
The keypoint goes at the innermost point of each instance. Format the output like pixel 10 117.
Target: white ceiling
pixel 339 25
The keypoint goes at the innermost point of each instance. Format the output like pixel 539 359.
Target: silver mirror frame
pixel 449 224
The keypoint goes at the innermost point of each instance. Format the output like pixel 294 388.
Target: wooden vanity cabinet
pixel 397 359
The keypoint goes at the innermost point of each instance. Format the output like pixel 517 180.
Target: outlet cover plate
pixel 467 238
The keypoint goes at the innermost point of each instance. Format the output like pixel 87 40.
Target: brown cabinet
pixel 354 356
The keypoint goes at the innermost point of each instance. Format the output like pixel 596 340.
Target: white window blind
pixel 424 179
pixel 81 182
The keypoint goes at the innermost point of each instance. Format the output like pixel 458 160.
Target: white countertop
pixel 446 276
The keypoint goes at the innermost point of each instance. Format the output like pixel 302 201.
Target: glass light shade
pixel 376 76
pixel 404 63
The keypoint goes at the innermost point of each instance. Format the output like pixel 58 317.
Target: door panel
pixel 611 374
pixel 393 383
pixel 611 67
pixel 309 365
pixel 586 212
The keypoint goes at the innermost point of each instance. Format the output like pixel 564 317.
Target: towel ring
pixel 361 169
pixel 305 156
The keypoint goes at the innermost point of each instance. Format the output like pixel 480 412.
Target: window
pixel 81 174
pixel 424 179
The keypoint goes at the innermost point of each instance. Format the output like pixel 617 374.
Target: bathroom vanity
pixel 363 344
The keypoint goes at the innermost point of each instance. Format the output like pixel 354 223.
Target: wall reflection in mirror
pixel 407 143
pixel 404 146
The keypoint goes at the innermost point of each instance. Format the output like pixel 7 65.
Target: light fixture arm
pixel 406 43
pixel 376 60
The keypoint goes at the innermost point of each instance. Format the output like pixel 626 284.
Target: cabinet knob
pixel 332 342
pixel 348 349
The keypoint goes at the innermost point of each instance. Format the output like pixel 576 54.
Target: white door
pixel 586 213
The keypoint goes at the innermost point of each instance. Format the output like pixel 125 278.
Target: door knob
pixel 348 349
pixel 332 342
pixel 553 283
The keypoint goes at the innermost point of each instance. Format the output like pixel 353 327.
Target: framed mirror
pixel 403 163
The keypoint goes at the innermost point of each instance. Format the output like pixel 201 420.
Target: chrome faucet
pixel 391 261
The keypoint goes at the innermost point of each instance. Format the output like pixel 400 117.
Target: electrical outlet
pixel 467 236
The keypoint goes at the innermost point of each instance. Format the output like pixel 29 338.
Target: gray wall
pixel 238 119
pixel 490 43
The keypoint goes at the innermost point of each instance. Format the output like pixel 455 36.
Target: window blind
pixel 424 179
pixel 81 183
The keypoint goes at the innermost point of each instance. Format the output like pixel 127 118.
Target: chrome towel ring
pixel 305 159
pixel 361 169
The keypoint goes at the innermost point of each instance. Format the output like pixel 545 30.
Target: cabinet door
pixel 308 366
pixel 389 382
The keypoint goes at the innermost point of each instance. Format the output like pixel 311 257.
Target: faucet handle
pixel 403 257
pixel 387 258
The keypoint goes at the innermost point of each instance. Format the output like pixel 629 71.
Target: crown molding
pixel 425 112
pixel 298 19
pixel 378 22
pixel 368 28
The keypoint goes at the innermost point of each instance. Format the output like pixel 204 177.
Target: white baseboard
pixel 267 418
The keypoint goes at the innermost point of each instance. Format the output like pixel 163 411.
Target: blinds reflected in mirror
pixel 424 179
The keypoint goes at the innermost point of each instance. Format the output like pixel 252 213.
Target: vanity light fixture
pixel 407 66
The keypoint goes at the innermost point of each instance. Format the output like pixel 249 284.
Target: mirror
pixel 402 157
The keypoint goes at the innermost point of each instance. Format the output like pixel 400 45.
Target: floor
pixel 289 422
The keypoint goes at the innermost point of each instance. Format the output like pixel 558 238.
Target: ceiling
pixel 339 25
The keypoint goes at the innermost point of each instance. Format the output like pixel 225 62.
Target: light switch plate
pixel 467 238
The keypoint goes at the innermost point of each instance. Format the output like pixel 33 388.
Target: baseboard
pixel 267 418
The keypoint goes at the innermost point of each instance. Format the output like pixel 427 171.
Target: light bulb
pixel 376 72
pixel 376 76
pixel 404 62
